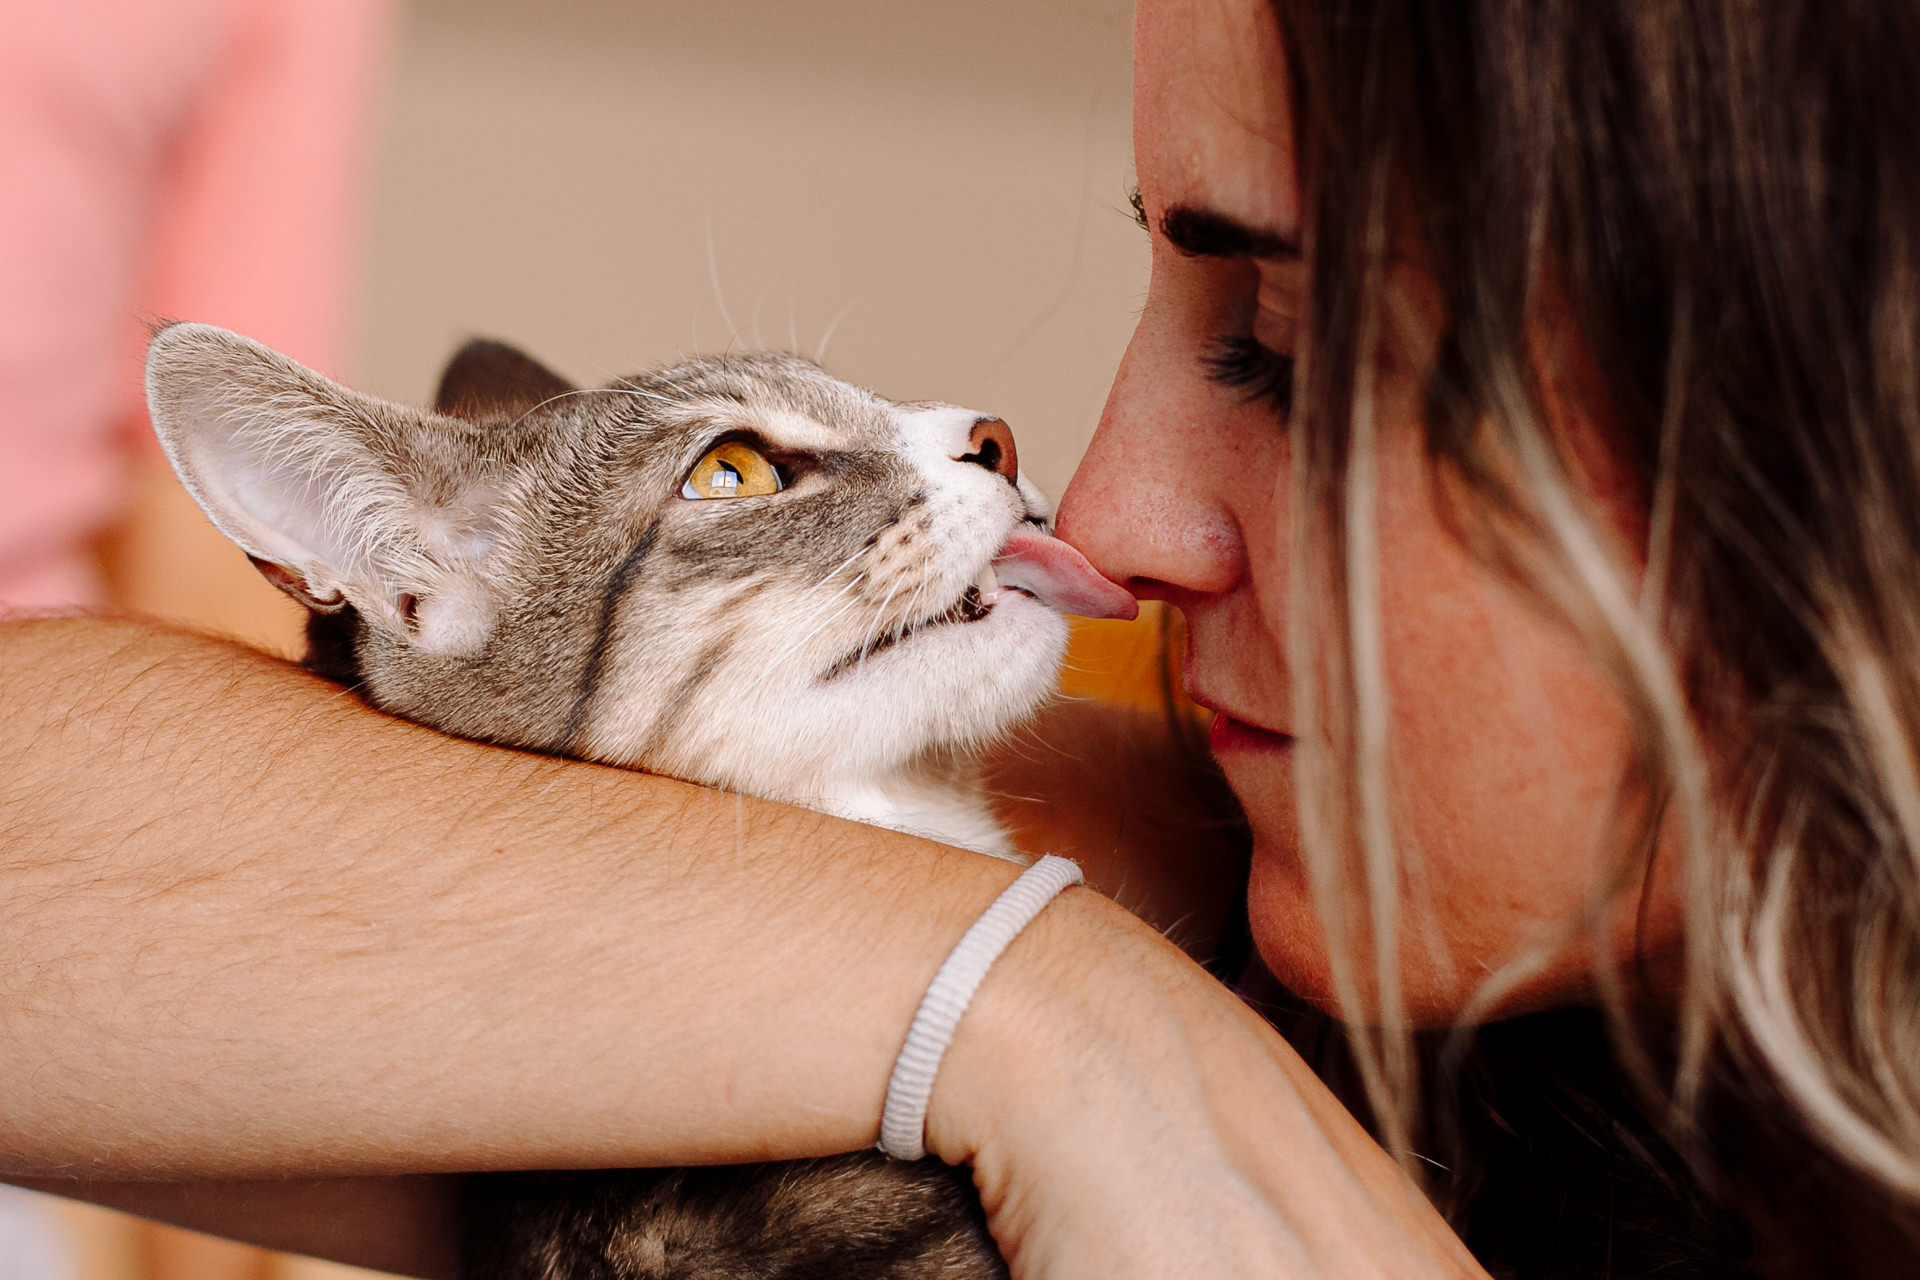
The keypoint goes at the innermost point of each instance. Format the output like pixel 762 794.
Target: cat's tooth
pixel 987 582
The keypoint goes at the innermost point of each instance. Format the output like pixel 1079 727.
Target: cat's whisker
pixel 833 572
pixel 772 667
pixel 831 618
pixel 867 638
pixel 824 622
pixel 640 393
pixel 913 604
pixel 713 274
pixel 754 318
pixel 771 672
pixel 627 390
pixel 628 387
pixel 773 676
pixel 820 351
pixel 907 615
pixel 852 583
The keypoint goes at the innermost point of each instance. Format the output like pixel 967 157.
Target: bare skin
pixel 375 958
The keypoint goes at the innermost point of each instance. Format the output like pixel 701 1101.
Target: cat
pixel 737 570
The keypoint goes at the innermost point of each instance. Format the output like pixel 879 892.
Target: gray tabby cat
pixel 738 570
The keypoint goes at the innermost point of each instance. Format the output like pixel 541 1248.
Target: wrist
pixel 1054 1009
pixel 1076 1086
pixel 910 1086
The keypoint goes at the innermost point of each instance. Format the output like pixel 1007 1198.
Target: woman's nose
pixel 1148 503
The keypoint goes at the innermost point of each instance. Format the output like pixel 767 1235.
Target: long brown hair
pixel 1722 198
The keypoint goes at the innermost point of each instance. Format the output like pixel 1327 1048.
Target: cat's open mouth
pixel 1032 563
pixel 974 604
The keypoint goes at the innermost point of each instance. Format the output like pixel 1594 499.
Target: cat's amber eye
pixel 732 470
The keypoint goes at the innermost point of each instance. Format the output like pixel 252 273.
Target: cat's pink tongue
pixel 1059 577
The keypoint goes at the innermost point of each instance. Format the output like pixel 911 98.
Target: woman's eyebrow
pixel 1205 233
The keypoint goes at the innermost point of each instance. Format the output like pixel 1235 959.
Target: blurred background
pixel 931 194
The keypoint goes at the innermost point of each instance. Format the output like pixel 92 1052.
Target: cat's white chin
pixel 947 689
pixel 963 682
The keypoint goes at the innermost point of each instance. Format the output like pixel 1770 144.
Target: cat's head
pixel 738 569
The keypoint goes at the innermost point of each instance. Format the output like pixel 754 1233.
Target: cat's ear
pixel 337 497
pixel 490 381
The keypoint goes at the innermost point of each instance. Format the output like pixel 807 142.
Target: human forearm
pixel 248 927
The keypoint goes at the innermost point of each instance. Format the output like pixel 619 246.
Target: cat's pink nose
pixel 990 444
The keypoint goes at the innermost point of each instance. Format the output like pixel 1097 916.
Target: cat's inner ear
pixel 297 586
pixel 489 382
pixel 338 498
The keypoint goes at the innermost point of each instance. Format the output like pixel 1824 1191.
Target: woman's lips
pixel 1226 734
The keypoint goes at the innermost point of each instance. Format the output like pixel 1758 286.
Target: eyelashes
pixel 1258 372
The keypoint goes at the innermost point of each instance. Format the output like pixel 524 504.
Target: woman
pixel 1521 413
pixel 1594 526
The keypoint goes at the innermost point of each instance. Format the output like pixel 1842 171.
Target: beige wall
pixel 597 180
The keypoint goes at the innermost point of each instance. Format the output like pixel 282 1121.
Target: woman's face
pixel 1506 744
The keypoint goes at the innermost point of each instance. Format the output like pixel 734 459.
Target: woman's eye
pixel 1258 371
pixel 732 470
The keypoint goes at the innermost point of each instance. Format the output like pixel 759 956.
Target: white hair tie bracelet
pixel 903 1120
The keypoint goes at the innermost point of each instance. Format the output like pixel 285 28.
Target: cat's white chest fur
pixel 947 803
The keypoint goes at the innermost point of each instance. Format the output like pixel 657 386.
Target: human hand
pixel 1127 1116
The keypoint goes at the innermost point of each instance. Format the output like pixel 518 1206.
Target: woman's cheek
pixel 1506 752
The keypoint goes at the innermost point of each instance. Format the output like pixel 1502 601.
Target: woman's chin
pixel 1293 945
pixel 1286 930
pixel 1291 942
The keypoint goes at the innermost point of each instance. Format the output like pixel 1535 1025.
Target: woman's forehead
pixel 1211 124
